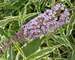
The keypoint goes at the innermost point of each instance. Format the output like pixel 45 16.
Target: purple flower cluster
pixel 46 22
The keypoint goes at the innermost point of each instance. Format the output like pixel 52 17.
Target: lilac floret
pixel 35 33
pixel 66 12
pixel 56 7
pixel 49 12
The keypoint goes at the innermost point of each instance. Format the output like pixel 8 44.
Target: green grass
pixel 59 45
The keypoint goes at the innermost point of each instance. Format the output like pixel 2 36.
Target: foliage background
pixel 59 45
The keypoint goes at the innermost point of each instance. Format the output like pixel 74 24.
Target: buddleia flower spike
pixel 51 19
pixel 44 23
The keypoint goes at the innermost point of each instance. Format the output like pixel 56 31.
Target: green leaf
pixel 30 15
pixel 1 31
pixel 2 58
pixel 62 40
pixel 4 22
pixel 32 47
pixel 10 54
pixel 21 19
pixel 4 4
pixel 40 53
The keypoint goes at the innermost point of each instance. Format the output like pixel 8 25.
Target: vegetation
pixel 59 45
